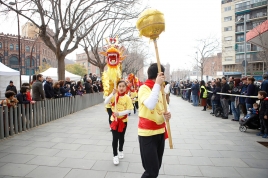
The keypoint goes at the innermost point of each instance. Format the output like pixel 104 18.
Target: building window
pixel 0 45
pixel 28 62
pixel 33 49
pixel 229 48
pixel 83 64
pixel 228 28
pixel 228 58
pixel 240 38
pixel 228 38
pixel 17 47
pixel 28 71
pixel 227 8
pixel 226 19
pixel 13 61
pixel 97 71
pixel 27 49
pixel 11 47
pixel 240 28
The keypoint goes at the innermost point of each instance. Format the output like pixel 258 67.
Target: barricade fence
pixel 24 117
pixel 219 93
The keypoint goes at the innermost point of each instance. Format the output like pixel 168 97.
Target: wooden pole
pixel 163 95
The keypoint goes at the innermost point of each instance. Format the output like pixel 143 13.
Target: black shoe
pixel 224 117
pixel 234 120
pixel 203 110
pixel 212 113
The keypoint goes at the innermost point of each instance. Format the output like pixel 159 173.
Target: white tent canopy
pixel 53 73
pixel 7 74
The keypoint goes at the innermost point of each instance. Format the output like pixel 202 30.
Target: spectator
pixel 225 98
pixel 56 89
pixel 11 87
pixel 195 88
pixel 231 86
pixel 49 92
pixel 167 92
pixel 263 114
pixel 37 89
pixel 242 100
pixel 62 89
pixel 94 78
pixel 95 88
pixel 79 88
pixel 264 85
pixel 22 96
pixel 203 94
pixel 216 97
pixel 99 84
pixel 10 100
pixel 34 79
pixel 235 100
pixel 85 78
pixel 90 76
pixel 208 87
pixel 28 93
pixel 250 92
pixel 88 86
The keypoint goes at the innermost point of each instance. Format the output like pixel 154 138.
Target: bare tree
pixel 71 20
pixel 120 26
pixel 137 54
pixel 205 48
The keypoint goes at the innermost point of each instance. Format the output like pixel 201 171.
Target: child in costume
pixel 151 128
pixel 263 114
pixel 121 105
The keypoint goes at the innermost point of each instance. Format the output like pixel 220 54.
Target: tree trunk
pixel 61 68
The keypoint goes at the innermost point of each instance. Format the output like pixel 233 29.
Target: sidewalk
pixel 79 145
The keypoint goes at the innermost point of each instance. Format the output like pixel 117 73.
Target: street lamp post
pixel 245 44
pixel 20 68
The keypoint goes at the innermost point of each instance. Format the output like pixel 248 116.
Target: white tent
pixel 7 74
pixel 53 73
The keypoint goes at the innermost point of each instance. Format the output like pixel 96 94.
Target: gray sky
pixel 186 21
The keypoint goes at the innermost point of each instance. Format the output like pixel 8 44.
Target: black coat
pixel 49 92
pixel 57 93
pixel 22 99
pixel 250 92
pixel 224 89
pixel 215 90
pixel 12 88
pixel 88 87
pixel 263 108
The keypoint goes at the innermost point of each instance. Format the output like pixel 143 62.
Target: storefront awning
pixel 259 35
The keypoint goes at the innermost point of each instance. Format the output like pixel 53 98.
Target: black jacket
pixel 22 99
pixel 88 87
pixel 12 88
pixel 224 89
pixel 49 92
pixel 216 90
pixel 263 108
pixel 57 93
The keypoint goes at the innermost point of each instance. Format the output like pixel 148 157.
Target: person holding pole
pixel 151 128
pixel 121 105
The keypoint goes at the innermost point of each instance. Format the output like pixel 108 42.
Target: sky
pixel 186 21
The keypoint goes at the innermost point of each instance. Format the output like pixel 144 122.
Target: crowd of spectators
pixel 215 93
pixel 40 89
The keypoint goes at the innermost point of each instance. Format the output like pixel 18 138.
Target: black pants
pixel 134 107
pixel 264 125
pixel 137 104
pixel 110 112
pixel 118 136
pixel 152 150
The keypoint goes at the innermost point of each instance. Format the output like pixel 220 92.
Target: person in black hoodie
pixel 263 114
pixel 49 92
pixel 11 87
pixel 225 98
pixel 21 97
pixel 216 97
pixel 250 92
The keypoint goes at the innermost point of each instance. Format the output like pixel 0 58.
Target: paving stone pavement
pixel 79 145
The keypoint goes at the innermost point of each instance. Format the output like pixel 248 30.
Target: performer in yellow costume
pixel 121 105
pixel 134 98
pixel 151 128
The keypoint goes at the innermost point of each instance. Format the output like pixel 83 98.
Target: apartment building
pixel 233 51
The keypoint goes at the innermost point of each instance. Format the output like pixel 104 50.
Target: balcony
pixel 258 16
pixel 240 40
pixel 226 1
pixel 258 4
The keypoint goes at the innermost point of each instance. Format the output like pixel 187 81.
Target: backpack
pixel 256 91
